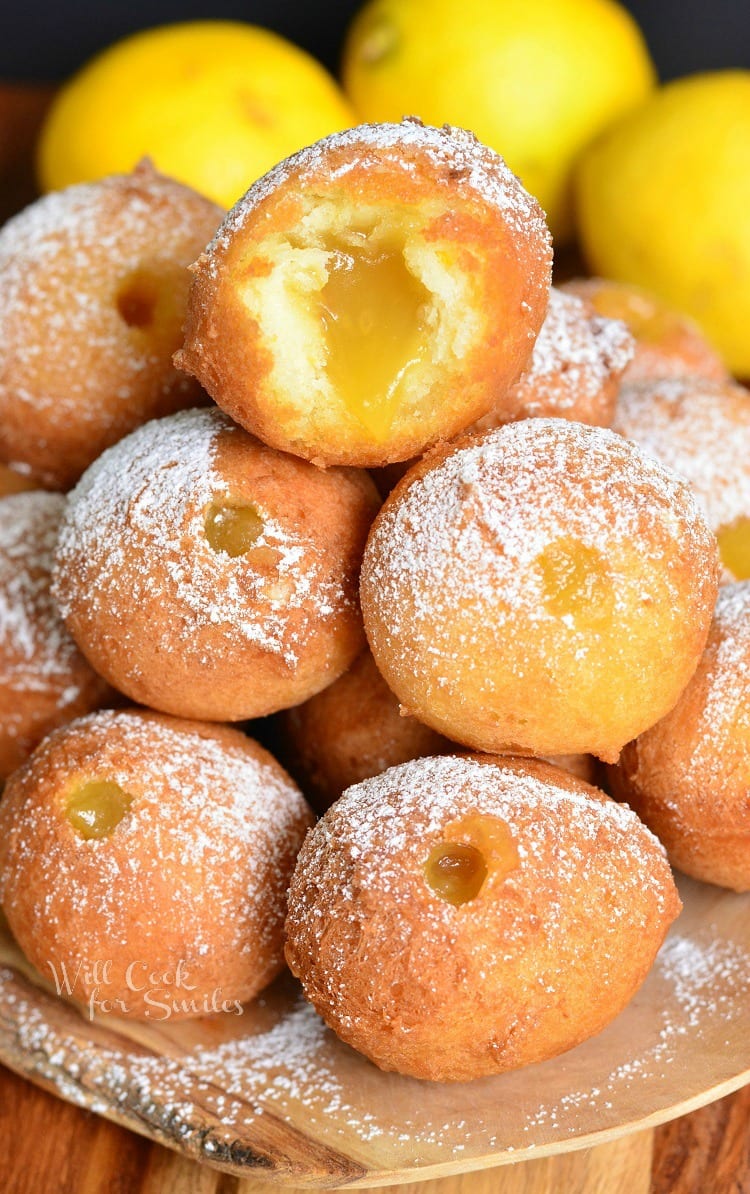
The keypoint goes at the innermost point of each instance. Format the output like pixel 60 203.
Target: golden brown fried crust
pixel 575 368
pixel 454 600
pixel 668 344
pixel 44 679
pixel 208 636
pixel 547 953
pixel 687 777
pixel 95 285
pixel 349 732
pixel 700 429
pixel 193 876
pixel 39 712
pixel 11 481
pixel 506 259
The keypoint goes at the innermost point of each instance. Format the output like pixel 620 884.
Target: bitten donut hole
pixel 373 312
pixel 734 548
pixel 96 808
pixel 456 872
pixel 363 313
pixel 233 529
pixel 137 299
pixel 576 582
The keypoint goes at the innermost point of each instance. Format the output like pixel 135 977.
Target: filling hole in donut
pixel 734 548
pixel 96 808
pixel 137 298
pixel 234 529
pixel 373 312
pixel 576 582
pixel 455 872
pixel 477 848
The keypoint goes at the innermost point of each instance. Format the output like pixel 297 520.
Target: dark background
pixel 47 41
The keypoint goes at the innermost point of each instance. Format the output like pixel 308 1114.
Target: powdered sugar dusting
pixel 79 242
pixel 577 361
pixel 575 355
pixel 459 161
pixel 210 823
pixel 724 674
pixel 281 1061
pixel 470 530
pixel 701 430
pixel 36 648
pixel 38 658
pixel 668 343
pixel 368 853
pixel 701 979
pixel 380 812
pixel 131 515
pixel 389 819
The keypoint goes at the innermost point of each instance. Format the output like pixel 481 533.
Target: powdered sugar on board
pixel 461 165
pixel 238 1088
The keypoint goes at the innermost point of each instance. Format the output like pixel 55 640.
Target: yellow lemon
pixel 535 79
pixel 664 201
pixel 213 103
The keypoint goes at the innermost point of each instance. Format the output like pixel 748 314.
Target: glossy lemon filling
pixel 478 849
pixel 95 809
pixel 576 583
pixel 232 529
pixel 455 872
pixel 372 309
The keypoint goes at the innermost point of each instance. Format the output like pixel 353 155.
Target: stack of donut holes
pixel 198 415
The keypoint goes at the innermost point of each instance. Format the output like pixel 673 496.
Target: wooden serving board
pixel 273 1095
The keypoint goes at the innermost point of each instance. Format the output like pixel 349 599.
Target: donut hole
pixel 137 299
pixel 95 808
pixel 477 849
pixel 576 583
pixel 363 314
pixel 734 548
pixel 456 872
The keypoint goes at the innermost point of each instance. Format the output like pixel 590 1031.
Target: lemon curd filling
pixel 232 529
pixel 734 548
pixel 373 314
pixel 457 870
pixel 95 809
pixel 576 582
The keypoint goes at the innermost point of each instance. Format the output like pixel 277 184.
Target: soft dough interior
pixel 362 313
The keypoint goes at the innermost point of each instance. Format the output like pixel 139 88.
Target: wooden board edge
pixel 342 1172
